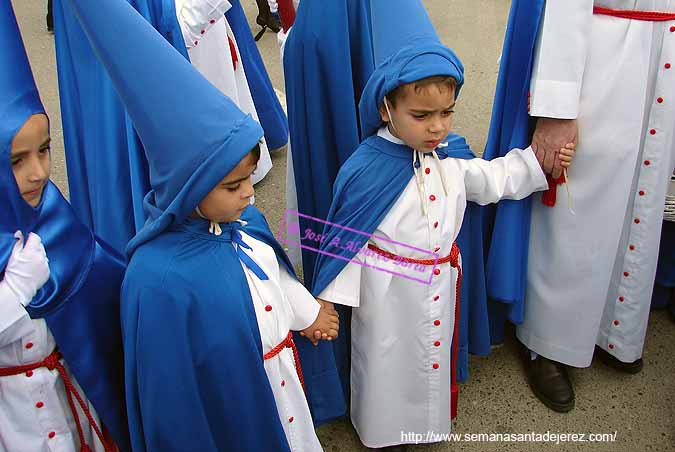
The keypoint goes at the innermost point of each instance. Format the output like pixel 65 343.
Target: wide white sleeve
pixel 514 176
pixel 304 305
pixel 195 17
pixel 15 322
pixel 345 289
pixel 560 59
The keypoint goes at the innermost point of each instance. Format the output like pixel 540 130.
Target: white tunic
pixel 590 275
pixel 402 329
pixel 207 34
pixel 34 411
pixel 282 304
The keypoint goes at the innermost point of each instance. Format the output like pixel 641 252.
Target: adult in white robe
pixel 590 273
pixel 213 51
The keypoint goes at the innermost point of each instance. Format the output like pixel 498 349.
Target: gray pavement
pixel 639 409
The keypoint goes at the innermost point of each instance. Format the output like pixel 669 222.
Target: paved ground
pixel 640 409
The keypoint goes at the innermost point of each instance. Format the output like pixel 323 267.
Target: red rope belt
pixel 453 258
pixel 287 343
pixel 52 362
pixel 651 16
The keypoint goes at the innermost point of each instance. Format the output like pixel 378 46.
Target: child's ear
pixel 383 113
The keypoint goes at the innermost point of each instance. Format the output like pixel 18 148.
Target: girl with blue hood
pixel 209 298
pixel 399 202
pixel 60 347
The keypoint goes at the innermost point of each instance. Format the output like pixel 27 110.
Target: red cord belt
pixel 52 362
pixel 651 16
pixel 287 343
pixel 453 258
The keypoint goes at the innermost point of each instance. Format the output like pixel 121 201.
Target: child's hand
pixel 326 325
pixel 566 155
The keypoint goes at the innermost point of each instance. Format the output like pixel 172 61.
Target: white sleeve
pixel 514 176
pixel 345 289
pixel 304 305
pixel 15 322
pixel 195 17
pixel 560 59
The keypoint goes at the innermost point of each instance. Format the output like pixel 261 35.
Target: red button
pixel 437 248
pixel 631 247
pixel 437 343
pixel 437 271
pixel 636 221
pixel 203 31
pixel 641 192
pixel 621 299
pixel 616 323
pixel 29 373
pixel 652 132
pixel 51 434
pixel 283 383
pixel 611 346
pixel 435 366
pixel 672 29
pixel 212 21
pixel 196 42
pixel 427 170
pixel 29 345
pixel 647 163
pixel 268 308
pixel 626 274
pixel 432 198
pixel 659 100
pixel 435 224
pixel 39 405
pixel 667 65
pixel 437 322
pixel 290 419
pixel 436 298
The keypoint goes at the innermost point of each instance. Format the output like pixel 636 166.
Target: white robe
pixel 34 405
pixel 402 330
pixel 206 31
pixel 283 304
pixel 590 275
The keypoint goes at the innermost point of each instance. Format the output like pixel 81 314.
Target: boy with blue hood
pixel 209 297
pixel 405 190
pixel 61 383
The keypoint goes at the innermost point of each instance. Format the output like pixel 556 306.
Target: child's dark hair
pixel 255 152
pixel 446 81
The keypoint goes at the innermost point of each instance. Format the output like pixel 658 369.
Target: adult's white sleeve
pixel 560 59
pixel 514 176
pixel 15 322
pixel 345 289
pixel 304 305
pixel 195 17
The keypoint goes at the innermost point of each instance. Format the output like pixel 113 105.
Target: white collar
pixel 387 135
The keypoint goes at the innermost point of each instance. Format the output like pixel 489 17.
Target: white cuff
pixel 197 16
pixel 554 99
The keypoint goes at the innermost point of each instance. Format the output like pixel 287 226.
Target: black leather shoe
pixel 270 21
pixel 549 382
pixel 610 360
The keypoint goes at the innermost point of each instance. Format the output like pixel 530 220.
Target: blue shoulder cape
pixel 195 376
pixel 507 225
pixel 271 115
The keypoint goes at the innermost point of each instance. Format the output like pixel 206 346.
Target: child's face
pixel 31 159
pixel 231 196
pixel 422 118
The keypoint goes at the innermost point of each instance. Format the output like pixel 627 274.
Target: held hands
pixel 554 143
pixel 326 325
pixel 27 268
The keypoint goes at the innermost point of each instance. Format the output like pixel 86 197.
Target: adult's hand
pixel 550 136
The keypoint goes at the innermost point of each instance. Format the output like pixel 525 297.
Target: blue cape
pixel 195 376
pixel 270 113
pixel 80 301
pixel 507 225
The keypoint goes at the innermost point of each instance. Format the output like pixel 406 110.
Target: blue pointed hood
pixel 406 49
pixel 19 100
pixel 193 135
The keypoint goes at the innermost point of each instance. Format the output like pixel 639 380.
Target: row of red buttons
pixel 212 21
pixel 437 272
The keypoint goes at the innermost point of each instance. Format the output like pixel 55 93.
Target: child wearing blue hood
pixel 209 298
pixel 406 188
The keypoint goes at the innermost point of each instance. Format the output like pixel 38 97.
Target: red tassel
pixel 233 51
pixel 549 196
pixel 286 13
